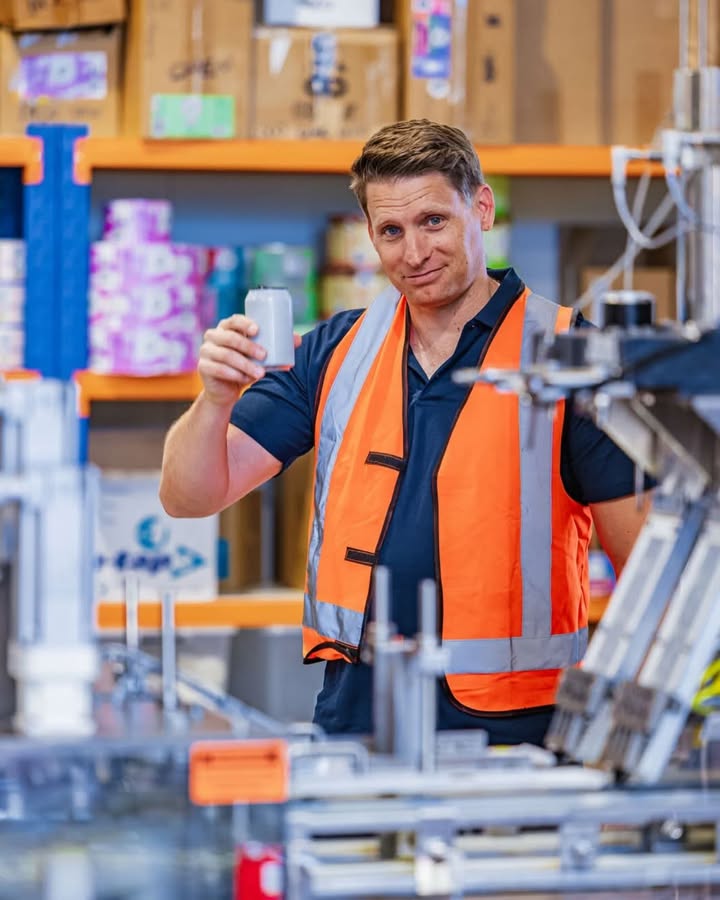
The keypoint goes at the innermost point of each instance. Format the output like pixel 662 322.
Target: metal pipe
pixel 382 662
pixel 169 673
pixel 132 600
pixel 428 687
pixel 702 33
pixel 683 33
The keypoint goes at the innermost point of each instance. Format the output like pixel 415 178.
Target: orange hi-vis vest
pixel 511 544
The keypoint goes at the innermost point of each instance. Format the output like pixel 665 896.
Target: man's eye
pixel 391 231
pixel 435 220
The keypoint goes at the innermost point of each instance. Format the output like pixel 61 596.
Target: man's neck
pixel 434 333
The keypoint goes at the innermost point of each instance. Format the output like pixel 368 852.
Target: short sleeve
pixel 593 468
pixel 279 410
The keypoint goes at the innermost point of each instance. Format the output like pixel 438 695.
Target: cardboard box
pixel 71 77
pixel 559 65
pixel 322 13
pixel 188 69
pixel 658 280
pixel 134 536
pixel 324 84
pixel 491 72
pixel 32 15
pixel 459 65
pixel 240 535
pixel 134 447
pixel 293 504
pixel 643 47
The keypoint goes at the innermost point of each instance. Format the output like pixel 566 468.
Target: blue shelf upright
pixel 42 321
pixel 56 221
pixel 74 256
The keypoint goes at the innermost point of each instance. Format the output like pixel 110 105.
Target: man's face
pixel 428 237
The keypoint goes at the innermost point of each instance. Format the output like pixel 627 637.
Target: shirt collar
pixel 510 289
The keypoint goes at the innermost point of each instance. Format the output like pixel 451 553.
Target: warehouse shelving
pixel 60 166
pixel 94 386
pixel 23 152
pixel 320 157
pixel 258 609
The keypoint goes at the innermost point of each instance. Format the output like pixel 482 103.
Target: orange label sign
pixel 226 772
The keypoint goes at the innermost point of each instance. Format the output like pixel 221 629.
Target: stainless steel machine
pixel 123 778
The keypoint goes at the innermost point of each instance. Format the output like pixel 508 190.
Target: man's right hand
pixel 229 359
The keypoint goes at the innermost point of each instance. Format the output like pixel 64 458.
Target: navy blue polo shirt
pixel 278 412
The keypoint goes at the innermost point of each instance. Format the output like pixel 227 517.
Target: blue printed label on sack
pixel 431 38
pixel 154 553
pixel 325 79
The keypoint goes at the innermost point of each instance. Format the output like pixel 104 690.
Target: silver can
pixel 272 311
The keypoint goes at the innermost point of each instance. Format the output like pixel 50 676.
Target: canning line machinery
pixel 122 778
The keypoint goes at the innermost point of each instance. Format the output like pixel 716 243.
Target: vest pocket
pixel 363 557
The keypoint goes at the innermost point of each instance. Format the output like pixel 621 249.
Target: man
pixel 429 478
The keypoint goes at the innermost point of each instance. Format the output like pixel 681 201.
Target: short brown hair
pixel 417 147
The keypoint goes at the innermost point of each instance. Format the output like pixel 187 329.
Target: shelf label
pixel 227 772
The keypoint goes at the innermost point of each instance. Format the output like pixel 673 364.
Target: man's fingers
pixel 226 336
pixel 238 322
pixel 221 372
pixel 231 360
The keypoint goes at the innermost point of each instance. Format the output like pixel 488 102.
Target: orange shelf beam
pixel 23 152
pixel 95 386
pixel 231 611
pixel 324 157
pixel 235 611
pixel 19 375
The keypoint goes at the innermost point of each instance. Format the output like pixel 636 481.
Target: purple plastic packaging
pixel 138 221
pixel 146 307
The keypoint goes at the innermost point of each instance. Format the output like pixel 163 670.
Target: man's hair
pixel 417 147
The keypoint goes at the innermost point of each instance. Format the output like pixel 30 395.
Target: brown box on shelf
pixel 136 447
pixel 188 69
pixel 459 69
pixel 293 503
pixel 658 280
pixel 240 529
pixel 643 52
pixel 71 77
pixel 30 15
pixel 336 84
pixel 559 64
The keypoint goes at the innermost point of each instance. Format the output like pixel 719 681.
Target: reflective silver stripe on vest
pixel 333 621
pixel 525 654
pixel 536 472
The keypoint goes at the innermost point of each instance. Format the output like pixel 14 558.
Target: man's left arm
pixel 618 523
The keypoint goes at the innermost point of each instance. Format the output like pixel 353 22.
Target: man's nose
pixel 416 250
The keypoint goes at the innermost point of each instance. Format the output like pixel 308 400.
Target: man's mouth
pixel 421 276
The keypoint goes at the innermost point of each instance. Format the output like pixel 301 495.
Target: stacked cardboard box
pixel 657 280
pixel 458 65
pixel 31 15
pixel 69 77
pixel 188 68
pixel 324 84
pixel 51 74
pixel 558 56
pixel 322 13
pixel 537 71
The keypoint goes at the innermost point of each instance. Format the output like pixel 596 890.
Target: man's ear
pixel 484 203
